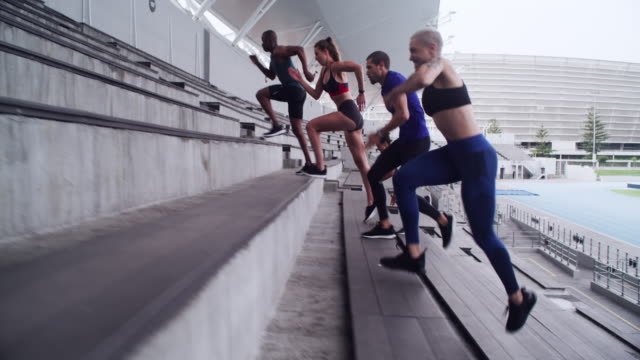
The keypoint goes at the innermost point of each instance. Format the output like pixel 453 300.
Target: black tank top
pixel 435 99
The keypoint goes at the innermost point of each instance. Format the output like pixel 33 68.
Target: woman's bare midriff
pixel 457 123
pixel 339 99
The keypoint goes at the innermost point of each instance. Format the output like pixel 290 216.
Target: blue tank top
pixel 416 127
pixel 282 71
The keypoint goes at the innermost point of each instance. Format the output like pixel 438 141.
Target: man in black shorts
pixel 408 115
pixel 289 91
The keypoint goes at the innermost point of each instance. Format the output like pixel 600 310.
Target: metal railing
pixel 571 238
pixel 614 270
pixel 618 280
pixel 521 239
pixel 560 252
pixel 553 247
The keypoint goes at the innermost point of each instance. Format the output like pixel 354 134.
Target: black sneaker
pixel 313 171
pixel 518 313
pixel 400 232
pixel 378 232
pixel 404 261
pixel 446 231
pixel 275 130
pixel 301 171
pixel 369 212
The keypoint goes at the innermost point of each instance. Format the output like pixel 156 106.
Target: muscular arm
pixel 400 116
pixel 424 76
pixel 315 93
pixel 267 72
pixel 350 66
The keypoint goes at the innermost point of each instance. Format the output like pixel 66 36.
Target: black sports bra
pixel 333 87
pixel 436 99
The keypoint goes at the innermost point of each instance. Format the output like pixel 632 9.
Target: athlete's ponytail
pixel 328 44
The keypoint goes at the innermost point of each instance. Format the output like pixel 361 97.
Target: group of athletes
pixel 467 156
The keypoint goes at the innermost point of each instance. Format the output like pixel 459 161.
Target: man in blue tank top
pixel 413 141
pixel 289 91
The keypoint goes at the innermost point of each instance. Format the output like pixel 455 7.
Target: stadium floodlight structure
pixel 436 21
pixel 315 30
pixel 260 11
pixel 203 7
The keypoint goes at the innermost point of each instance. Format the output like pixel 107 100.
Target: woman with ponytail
pixel 333 79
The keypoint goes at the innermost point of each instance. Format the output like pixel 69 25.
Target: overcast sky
pixel 592 29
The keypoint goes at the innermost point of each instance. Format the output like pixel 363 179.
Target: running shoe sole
pixel 392 236
pixel 279 132
pixel 315 176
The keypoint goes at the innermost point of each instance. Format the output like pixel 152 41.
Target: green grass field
pixel 630 192
pixel 618 172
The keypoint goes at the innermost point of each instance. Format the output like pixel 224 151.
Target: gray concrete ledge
pixel 43 111
pixel 615 297
pixel 198 283
pixel 38 39
pixel 59 174
pixel 91 91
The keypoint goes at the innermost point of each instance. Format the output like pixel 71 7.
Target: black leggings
pixel 397 154
pixel 425 207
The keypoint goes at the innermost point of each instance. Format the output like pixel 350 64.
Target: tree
pixel 543 147
pixel 600 132
pixel 602 159
pixel 493 127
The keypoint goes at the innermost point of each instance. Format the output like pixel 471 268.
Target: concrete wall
pixel 227 319
pixel 55 174
pixel 577 172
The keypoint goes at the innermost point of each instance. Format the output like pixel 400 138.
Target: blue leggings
pixel 472 161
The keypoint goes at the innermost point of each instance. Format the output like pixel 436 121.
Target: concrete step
pixel 25 13
pixel 110 46
pixel 33 77
pixel 95 47
pixel 199 280
pixel 67 166
pixel 28 37
pixel 312 318
pixel 39 7
pixel 393 314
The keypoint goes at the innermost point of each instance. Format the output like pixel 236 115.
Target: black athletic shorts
pixel 350 109
pixel 294 95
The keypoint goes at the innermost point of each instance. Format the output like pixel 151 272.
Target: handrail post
pixel 626 262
